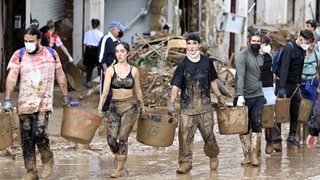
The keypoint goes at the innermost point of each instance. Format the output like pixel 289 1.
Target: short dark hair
pixel 307 34
pixel 95 23
pixel 312 22
pixel 253 33
pixel 265 39
pixel 32 31
pixel 194 36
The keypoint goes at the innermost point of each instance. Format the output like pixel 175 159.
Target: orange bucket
pixel 156 129
pixel 305 108
pixel 268 116
pixel 233 120
pixel 6 137
pixel 282 110
pixel 78 125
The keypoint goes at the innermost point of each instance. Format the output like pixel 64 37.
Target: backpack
pixel 50 49
pixel 276 60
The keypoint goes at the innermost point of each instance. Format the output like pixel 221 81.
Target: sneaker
pixel 184 168
pixel 87 84
pixel 214 162
pixel 269 148
pixel 277 147
pixel 293 141
pixel 47 169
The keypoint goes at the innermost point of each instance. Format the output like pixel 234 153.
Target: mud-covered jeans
pixel 255 107
pixel 33 132
pixel 188 126
pixel 123 115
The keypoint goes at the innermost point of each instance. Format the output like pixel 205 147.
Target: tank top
pixel 122 83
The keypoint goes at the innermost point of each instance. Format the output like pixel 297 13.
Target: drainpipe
pixel 232 35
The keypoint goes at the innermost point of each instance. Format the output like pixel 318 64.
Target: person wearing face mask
pixel 195 75
pixel 249 93
pixel 54 39
pixel 107 57
pixel 272 135
pixel 288 78
pixel 309 78
pixel 37 70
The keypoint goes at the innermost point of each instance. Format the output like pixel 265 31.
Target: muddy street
pixel 146 162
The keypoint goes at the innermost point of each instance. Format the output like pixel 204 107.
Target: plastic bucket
pixel 268 116
pixel 156 129
pixel 304 110
pixel 5 129
pixel 282 110
pixel 78 125
pixel 233 120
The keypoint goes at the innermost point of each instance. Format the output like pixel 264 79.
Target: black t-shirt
pixel 194 80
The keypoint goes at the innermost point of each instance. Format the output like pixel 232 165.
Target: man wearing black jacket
pixel 288 77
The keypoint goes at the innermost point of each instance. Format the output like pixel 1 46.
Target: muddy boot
pixel 277 146
pixel 30 176
pixel 269 148
pixel 47 168
pixel 121 159
pixel 245 143
pixel 214 162
pixel 185 168
pixel 255 146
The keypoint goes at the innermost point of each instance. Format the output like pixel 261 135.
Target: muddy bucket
pixel 78 125
pixel 304 110
pixel 5 130
pixel 282 110
pixel 268 116
pixel 156 129
pixel 233 120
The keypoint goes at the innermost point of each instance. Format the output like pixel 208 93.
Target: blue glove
pixel 66 100
pixel 7 104
pixel 281 92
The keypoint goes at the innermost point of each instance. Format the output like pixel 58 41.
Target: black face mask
pixel 120 34
pixel 255 47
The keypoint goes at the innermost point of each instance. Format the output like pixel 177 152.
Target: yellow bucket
pixel 268 116
pixel 79 126
pixel 156 129
pixel 232 120
pixel 5 129
pixel 282 110
pixel 304 110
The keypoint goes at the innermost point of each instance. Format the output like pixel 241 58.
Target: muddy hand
pixel 221 102
pixel 99 112
pixel 66 100
pixel 171 108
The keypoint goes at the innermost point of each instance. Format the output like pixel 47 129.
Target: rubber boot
pixel 30 176
pixel 185 167
pixel 214 162
pixel 269 148
pixel 121 159
pixel 254 149
pixel 47 168
pixel 245 143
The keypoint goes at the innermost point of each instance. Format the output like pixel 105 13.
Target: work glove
pixel 99 112
pixel 7 104
pixel 66 100
pixel 221 102
pixel 142 110
pixel 70 59
pixel 171 108
pixel 281 92
pixel 240 101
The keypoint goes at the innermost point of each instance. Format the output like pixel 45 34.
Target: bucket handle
pixel 298 85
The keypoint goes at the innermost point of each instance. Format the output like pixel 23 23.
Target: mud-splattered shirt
pixel 37 76
pixel 194 79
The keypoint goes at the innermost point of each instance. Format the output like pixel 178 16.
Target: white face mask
pixel 30 47
pixel 304 46
pixel 266 49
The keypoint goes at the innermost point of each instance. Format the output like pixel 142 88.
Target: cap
pixel 117 25
pixel 193 36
